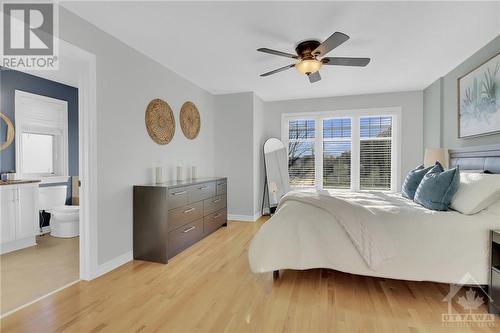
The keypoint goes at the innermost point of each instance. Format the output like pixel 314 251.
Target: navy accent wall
pixel 10 81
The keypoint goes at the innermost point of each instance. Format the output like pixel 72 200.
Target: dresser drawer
pixel 183 237
pixel 221 187
pixel 214 204
pixel 182 215
pixel 177 197
pixel 213 221
pixel 495 287
pixel 201 192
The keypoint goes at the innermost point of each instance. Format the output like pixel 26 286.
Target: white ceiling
pixel 214 44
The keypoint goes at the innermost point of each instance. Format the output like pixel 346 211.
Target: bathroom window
pixel 41 137
pixel 38 154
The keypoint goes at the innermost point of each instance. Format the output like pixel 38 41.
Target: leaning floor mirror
pixel 277 181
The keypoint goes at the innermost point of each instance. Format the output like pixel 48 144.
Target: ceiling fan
pixel 311 56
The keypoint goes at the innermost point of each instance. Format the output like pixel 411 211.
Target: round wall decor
pixel 10 132
pixel 160 121
pixel 190 120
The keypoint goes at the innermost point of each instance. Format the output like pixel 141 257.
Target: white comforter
pixel 376 234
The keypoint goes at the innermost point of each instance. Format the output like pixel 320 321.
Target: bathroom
pixel 39 190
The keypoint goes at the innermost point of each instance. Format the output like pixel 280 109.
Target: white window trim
pixel 355 115
pixel 42 124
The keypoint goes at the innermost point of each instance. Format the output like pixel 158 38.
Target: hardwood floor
pixel 30 273
pixel 209 288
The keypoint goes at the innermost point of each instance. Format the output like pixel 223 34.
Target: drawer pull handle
pixel 217 215
pixel 189 229
pixel 189 210
pixel 179 193
pixel 203 188
pixel 221 184
pixel 216 201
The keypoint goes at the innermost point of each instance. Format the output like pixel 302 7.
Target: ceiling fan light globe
pixel 308 66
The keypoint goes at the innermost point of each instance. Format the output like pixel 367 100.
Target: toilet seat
pixel 65 210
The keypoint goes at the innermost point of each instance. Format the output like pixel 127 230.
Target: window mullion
pixel 394 130
pixel 355 152
pixel 318 153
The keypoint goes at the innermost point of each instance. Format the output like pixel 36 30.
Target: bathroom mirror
pixel 277 181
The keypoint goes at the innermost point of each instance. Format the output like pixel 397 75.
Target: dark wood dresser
pixel 172 216
pixel 494 287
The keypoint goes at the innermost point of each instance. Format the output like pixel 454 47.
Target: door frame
pixel 87 143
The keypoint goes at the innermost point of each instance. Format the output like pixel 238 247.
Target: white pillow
pixel 476 192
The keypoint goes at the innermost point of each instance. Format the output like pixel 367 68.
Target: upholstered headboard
pixel 486 158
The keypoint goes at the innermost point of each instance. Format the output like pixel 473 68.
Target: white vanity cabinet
pixel 19 219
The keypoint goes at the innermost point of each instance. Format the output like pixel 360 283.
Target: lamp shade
pixel 433 155
pixel 308 66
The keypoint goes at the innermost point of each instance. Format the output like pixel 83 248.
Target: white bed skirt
pixel 435 246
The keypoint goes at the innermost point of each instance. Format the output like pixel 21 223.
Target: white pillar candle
pixel 159 175
pixel 193 172
pixel 179 173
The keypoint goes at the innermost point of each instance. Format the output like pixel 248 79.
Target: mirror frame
pixel 266 183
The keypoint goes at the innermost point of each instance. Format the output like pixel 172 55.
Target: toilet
pixel 64 220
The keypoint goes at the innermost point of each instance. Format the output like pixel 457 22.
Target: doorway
pixel 83 69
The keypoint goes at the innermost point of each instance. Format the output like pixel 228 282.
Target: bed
pixel 380 234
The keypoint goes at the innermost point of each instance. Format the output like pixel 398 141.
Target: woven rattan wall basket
pixel 10 132
pixel 190 120
pixel 160 121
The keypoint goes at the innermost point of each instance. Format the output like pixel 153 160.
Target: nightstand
pixel 494 287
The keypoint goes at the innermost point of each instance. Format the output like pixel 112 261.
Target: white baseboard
pixel 114 263
pixel 18 244
pixel 243 218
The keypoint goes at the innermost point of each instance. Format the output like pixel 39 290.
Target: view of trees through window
pixel 337 153
pixel 301 152
pixel 375 152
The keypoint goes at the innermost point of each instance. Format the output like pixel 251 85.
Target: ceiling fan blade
pixel 345 61
pixel 330 43
pixel 278 70
pixel 279 53
pixel 314 77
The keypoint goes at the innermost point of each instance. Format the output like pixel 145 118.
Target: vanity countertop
pixel 18 181
pixel 180 183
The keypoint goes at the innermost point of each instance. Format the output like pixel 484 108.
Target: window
pixel 337 153
pixel 38 153
pixel 375 153
pixel 301 162
pixel 345 150
pixel 41 137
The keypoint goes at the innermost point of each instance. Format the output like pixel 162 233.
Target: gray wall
pixel 432 115
pixel 259 137
pixel 239 137
pixel 234 149
pixel 126 81
pixel 446 89
pixel 411 122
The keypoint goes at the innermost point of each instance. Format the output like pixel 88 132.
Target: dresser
pixel 172 216
pixel 494 287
